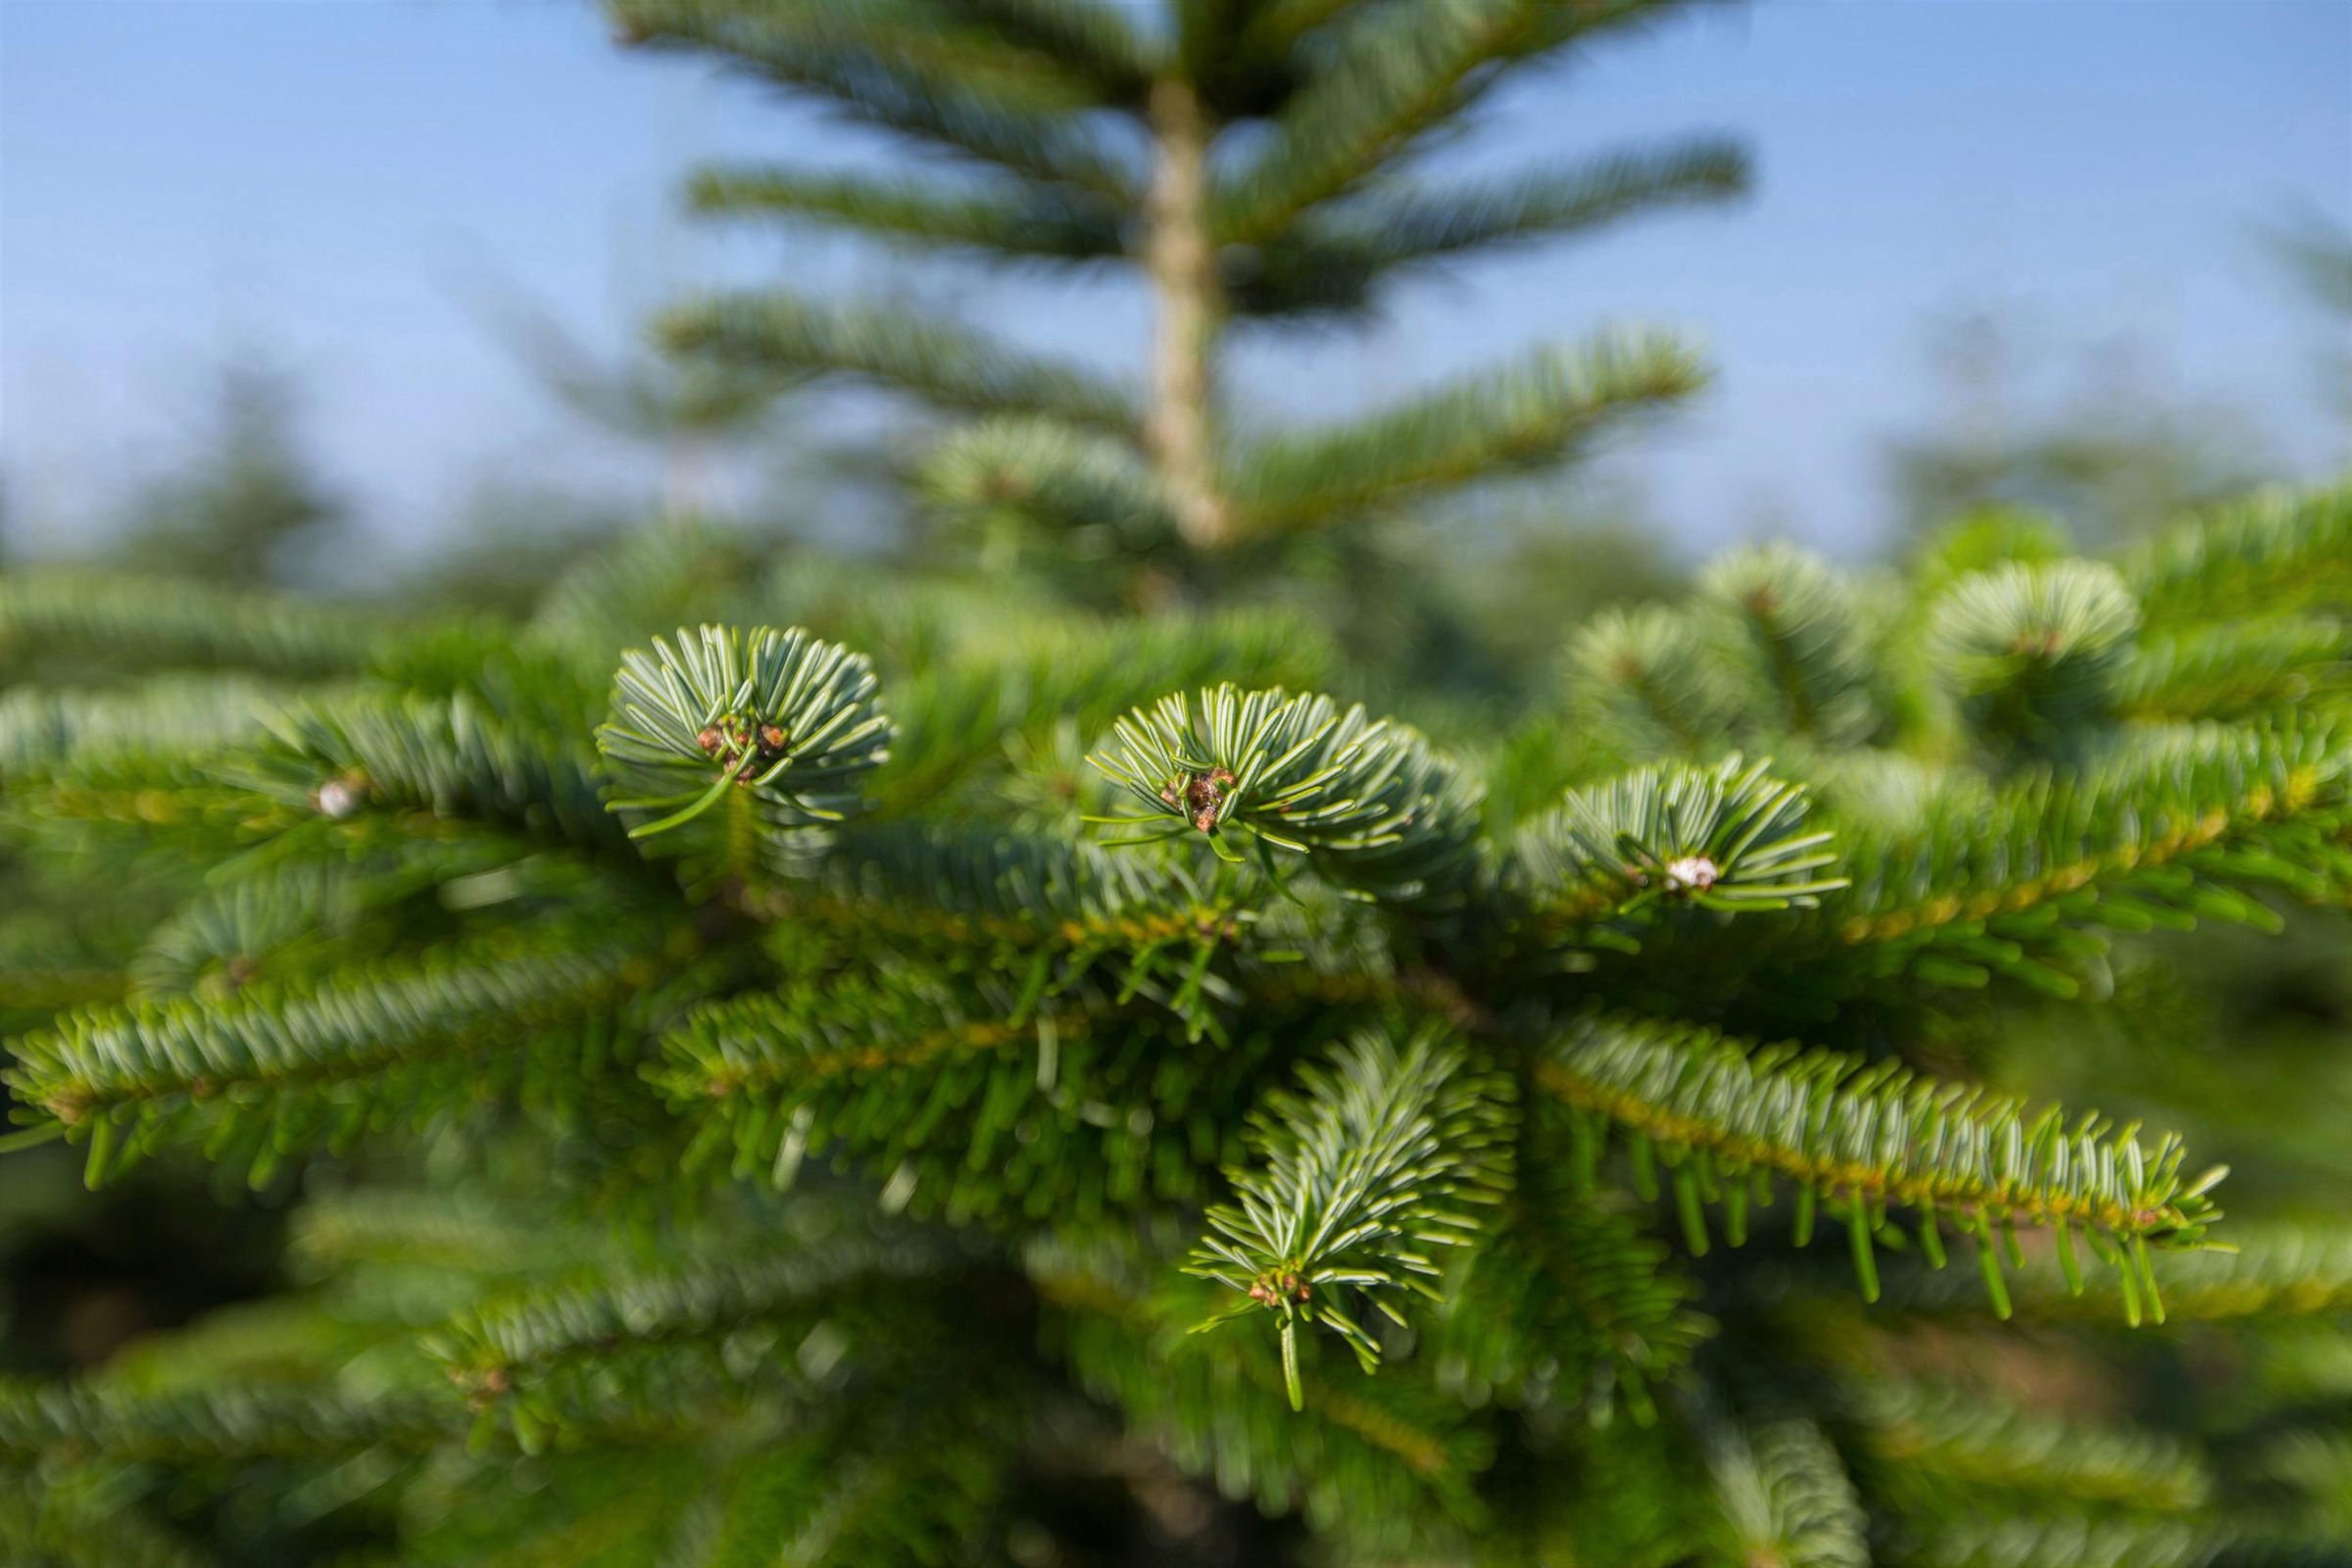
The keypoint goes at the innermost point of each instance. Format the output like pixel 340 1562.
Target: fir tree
pixel 1255 166
pixel 772 1063
pixel 968 1082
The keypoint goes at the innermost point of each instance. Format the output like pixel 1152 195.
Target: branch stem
pixel 1181 260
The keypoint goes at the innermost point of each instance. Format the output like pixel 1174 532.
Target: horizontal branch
pixel 1027 223
pixel 963 86
pixel 206 1425
pixel 2275 553
pixel 1489 422
pixel 116 621
pixel 1390 74
pixel 1729 1120
pixel 2181 824
pixel 894 346
pixel 323 1063
pixel 1963 1435
pixel 1430 219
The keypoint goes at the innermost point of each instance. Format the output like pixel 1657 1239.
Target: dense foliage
pixel 778 1125
pixel 769 1060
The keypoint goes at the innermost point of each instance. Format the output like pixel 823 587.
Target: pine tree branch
pixel 2277 1271
pixel 1371 1459
pixel 45 729
pixel 2084 1540
pixel 783 719
pixel 1428 220
pixel 1366 801
pixel 1491 422
pixel 910 68
pixel 198 1426
pixel 647 581
pixel 2181 825
pixel 1088 37
pixel 1272 28
pixel 1946 1432
pixel 910 1501
pixel 1331 259
pixel 957 717
pixel 1727 838
pixel 1024 891
pixel 979 1102
pixel 1395 70
pixel 2240 669
pixel 419 1227
pixel 227 935
pixel 1648 679
pixel 1730 1121
pixel 1385 1155
pixel 931 42
pixel 1392 72
pixel 1568 1303
pixel 2035 652
pixel 1801 630
pixel 453 756
pixel 938 361
pixel 89 1518
pixel 1092 491
pixel 394 1041
pixel 1031 222
pixel 1786 1497
pixel 2279 552
pixel 548 1359
pixel 114 621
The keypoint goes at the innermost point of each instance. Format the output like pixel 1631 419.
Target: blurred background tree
pixel 2315 252
pixel 247 509
pixel 2093 437
pixel 1252 168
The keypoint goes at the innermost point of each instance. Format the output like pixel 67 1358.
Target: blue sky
pixel 333 179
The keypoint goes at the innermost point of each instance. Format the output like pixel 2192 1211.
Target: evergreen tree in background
pixel 2315 253
pixel 248 511
pixel 688 415
pixel 1252 164
pixel 2113 456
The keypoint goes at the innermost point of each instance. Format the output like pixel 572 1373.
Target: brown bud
pixel 1205 797
pixel 709 739
pixel 772 737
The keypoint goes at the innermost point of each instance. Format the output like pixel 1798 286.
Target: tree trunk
pixel 1181 263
